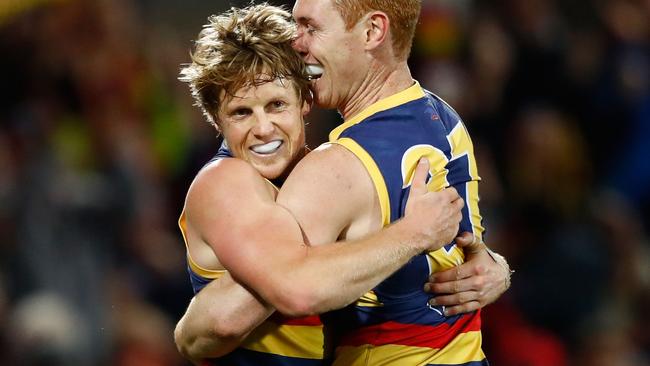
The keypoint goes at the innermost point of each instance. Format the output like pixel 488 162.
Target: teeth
pixel 314 71
pixel 267 148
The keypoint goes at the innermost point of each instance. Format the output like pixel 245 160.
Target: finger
pixel 452 194
pixel 463 308
pixel 469 243
pixel 455 299
pixel 458 203
pixel 459 272
pixel 419 183
pixel 451 287
pixel 464 239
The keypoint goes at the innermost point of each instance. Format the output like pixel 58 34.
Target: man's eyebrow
pixel 303 19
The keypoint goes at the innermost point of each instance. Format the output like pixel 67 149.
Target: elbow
pixel 219 339
pixel 227 326
pixel 294 294
pixel 298 302
pixel 224 326
pixel 228 330
pixel 183 344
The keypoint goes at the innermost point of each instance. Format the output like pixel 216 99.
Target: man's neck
pixel 380 82
pixel 301 154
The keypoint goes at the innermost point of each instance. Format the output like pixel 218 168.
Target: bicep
pixel 238 219
pixel 255 240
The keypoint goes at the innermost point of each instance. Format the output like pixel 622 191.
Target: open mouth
pixel 267 148
pixel 313 71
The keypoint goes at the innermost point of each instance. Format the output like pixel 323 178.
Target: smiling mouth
pixel 268 148
pixel 314 71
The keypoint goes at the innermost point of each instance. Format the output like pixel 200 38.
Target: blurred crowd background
pixel 99 142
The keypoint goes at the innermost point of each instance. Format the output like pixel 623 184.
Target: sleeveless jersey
pixel 393 324
pixel 278 341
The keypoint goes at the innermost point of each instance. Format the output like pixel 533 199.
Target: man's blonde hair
pixel 403 16
pixel 241 47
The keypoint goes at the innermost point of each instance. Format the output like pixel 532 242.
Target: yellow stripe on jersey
pixel 412 93
pixel 369 300
pixel 463 349
pixel 303 341
pixel 466 347
pixel 210 274
pixel 461 145
pixel 375 175
pixel 474 214
pixel 440 260
pixel 275 188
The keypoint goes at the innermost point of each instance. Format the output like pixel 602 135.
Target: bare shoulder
pixel 225 171
pixel 329 151
pixel 329 161
pixel 327 192
pixel 222 184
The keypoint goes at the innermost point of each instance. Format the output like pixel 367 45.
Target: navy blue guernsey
pixel 393 324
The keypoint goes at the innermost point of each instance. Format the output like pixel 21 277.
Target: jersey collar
pixel 412 93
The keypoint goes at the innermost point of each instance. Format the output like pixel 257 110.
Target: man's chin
pixel 325 103
pixel 323 100
pixel 270 170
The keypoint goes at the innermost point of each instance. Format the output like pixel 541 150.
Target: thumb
pixel 419 183
pixel 469 242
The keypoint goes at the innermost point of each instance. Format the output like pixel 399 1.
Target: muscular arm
pixel 218 319
pixel 262 245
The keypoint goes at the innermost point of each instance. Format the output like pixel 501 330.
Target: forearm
pixel 218 319
pixel 199 347
pixel 334 275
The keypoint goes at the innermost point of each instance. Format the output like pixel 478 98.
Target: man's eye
pixel 239 113
pixel 278 104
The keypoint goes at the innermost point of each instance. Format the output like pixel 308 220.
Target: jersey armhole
pixel 211 274
pixel 374 172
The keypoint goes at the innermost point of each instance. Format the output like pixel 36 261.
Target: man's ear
pixel 216 126
pixel 307 103
pixel 377 28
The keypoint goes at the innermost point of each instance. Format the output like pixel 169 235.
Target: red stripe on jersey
pixel 414 335
pixel 313 320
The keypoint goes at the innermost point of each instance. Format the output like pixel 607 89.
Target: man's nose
pixel 299 44
pixel 264 126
